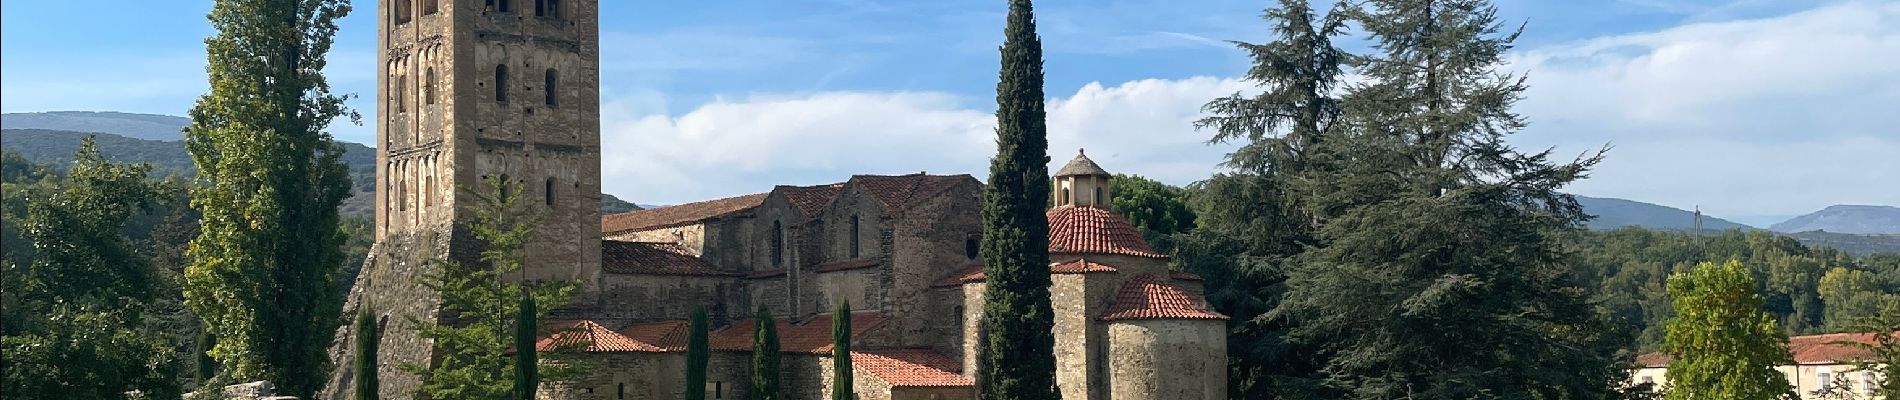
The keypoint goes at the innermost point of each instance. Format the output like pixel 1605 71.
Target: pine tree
pixel 1253 221
pixel 366 341
pixel 765 356
pixel 1019 355
pixel 472 359
pixel 1439 268
pixel 1724 346
pixel 527 368
pixel 269 182
pixel 697 355
pixel 842 387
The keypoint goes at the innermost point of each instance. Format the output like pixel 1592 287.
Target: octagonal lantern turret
pixel 1081 183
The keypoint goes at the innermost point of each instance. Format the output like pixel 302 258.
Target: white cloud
pixel 1770 116
pixel 732 147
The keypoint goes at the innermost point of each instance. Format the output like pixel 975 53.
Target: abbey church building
pixel 510 88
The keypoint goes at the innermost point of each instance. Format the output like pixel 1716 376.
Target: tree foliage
pixel 483 303
pixel 1018 360
pixel 1724 346
pixel 367 377
pixel 1158 210
pixel 270 179
pixel 765 356
pixel 842 387
pixel 81 323
pixel 697 354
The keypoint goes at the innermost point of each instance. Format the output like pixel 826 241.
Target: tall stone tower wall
pixel 469 89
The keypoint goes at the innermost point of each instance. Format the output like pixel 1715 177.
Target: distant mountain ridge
pixel 136 126
pixel 1612 213
pixel 1844 218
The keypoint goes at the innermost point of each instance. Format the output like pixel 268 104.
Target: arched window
pixel 540 8
pixel 428 85
pixel 1098 196
pixel 778 244
pixel 402 86
pixel 501 80
pixel 552 88
pixel 548 192
pixel 503 6
pixel 1064 198
pixel 622 392
pixel 969 247
pixel 554 8
pixel 854 236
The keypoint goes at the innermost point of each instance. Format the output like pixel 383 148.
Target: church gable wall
pixel 928 243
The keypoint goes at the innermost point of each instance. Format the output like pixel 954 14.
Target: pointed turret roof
pixel 1081 166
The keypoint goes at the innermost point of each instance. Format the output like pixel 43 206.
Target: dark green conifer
pixel 1019 347
pixel 697 356
pixel 527 367
pixel 366 377
pixel 841 386
pixel 765 353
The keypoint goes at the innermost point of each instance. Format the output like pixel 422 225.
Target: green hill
pixel 1617 213
pixel 1843 218
pixel 136 126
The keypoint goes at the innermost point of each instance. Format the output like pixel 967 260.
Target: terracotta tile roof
pixel 596 338
pixel 811 336
pixel 1653 360
pixel 1091 230
pixel 1184 276
pixel 645 258
pixel 1081 165
pixel 809 200
pixel 1148 296
pixel 669 335
pixel 911 368
pixel 1830 348
pixel 1079 266
pixel 845 265
pixel 974 272
pixel 670 216
pixel 899 192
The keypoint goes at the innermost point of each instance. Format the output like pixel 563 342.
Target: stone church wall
pixel 928 243
pixel 1167 359
pixel 628 298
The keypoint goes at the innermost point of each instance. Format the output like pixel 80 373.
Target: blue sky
pixel 1752 109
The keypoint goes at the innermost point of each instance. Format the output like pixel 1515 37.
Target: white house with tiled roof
pixel 1822 367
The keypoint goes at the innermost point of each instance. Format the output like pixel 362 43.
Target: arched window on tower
pixel 1064 198
pixel 970 247
pixel 778 244
pixel 501 81
pixel 402 86
pixel 428 85
pixel 548 192
pixel 854 236
pixel 553 89
pixel 540 8
pixel 501 5
pixel 1099 201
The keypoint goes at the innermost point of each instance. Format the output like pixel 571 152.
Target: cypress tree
pixel 841 385
pixel 1019 355
pixel 527 368
pixel 269 179
pixel 697 355
pixel 765 354
pixel 366 340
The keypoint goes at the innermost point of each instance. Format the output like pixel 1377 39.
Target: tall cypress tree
pixel 697 355
pixel 366 341
pixel 765 354
pixel 842 387
pixel 527 368
pixel 1019 356
pixel 1439 269
pixel 269 181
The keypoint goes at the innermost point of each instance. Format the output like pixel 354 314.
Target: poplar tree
pixel 1724 346
pixel 366 341
pixel 1019 348
pixel 842 387
pixel 697 355
pixel 765 356
pixel 1439 268
pixel 269 181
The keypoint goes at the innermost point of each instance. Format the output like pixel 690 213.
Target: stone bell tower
pixel 468 89
pixel 1081 183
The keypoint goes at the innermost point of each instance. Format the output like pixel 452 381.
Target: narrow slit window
pixel 540 8
pixel 553 89
pixel 503 6
pixel 402 86
pixel 501 80
pixel 428 7
pixel 970 247
pixel 1098 196
pixel 428 85
pixel 548 193
pixel 778 244
pixel 854 236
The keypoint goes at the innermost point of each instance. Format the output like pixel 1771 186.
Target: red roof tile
pixel 1091 230
pixel 809 200
pixel 594 337
pixel 970 273
pixel 900 192
pixel 1831 348
pixel 645 258
pixel 1148 296
pixel 669 335
pixel 911 368
pixel 845 265
pixel 974 272
pixel 811 336
pixel 670 216
pixel 1653 360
